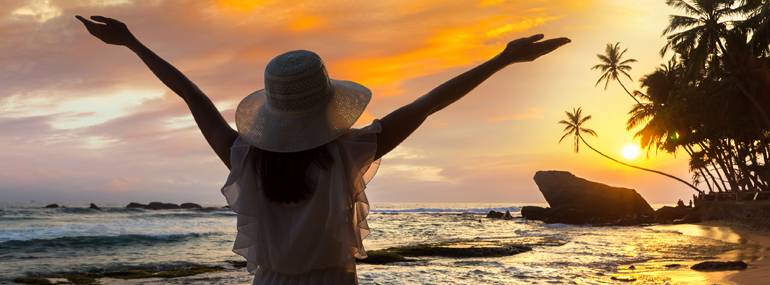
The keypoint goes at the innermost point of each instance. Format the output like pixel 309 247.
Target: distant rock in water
pixel 93 206
pixel 533 212
pixel 575 200
pixel 668 213
pixel 135 205
pixel 507 216
pixel 495 215
pixel 190 206
pixel 719 265
pixel 161 206
pixel 691 218
pixel 52 206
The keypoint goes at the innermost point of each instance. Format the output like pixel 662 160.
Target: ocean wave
pixel 189 215
pixel 2 218
pixel 79 242
pixel 446 210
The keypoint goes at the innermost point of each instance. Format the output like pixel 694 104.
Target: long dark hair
pixel 284 174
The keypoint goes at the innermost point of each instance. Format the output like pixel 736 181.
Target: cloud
pixel 412 172
pixel 39 10
pixel 80 119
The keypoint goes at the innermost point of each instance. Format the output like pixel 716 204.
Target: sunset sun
pixel 630 152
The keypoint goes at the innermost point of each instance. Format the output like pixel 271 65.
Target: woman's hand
pixel 109 30
pixel 529 49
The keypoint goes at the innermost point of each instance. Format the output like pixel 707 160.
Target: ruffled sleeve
pixel 237 195
pixel 335 216
pixel 347 219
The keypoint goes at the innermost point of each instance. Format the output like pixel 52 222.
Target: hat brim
pixel 274 131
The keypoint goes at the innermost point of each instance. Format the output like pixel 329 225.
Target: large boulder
pixel 581 200
pixel 94 206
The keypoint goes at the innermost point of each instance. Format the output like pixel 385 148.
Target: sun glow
pixel 630 152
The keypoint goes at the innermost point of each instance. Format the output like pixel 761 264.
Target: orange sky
pixel 84 121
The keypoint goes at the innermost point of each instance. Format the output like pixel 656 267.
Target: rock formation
pixel 575 200
pixel 495 215
pixel 190 206
pixel 161 206
pixel 719 265
pixel 135 205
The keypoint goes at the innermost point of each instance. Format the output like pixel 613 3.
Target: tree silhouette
pixel 574 127
pixel 611 67
pixel 703 28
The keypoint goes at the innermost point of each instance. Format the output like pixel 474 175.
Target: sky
pixel 81 120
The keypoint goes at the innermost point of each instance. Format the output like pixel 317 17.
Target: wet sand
pixel 754 250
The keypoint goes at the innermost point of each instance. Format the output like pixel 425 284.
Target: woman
pixel 297 169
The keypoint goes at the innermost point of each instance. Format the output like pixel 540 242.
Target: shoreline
pixel 754 250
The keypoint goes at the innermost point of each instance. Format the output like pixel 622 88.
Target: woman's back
pixel 318 238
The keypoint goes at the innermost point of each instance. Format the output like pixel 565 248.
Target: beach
pixel 753 249
pixel 755 252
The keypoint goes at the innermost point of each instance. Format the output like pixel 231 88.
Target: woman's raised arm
pixel 399 124
pixel 214 127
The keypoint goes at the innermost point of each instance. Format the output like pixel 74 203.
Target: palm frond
pixel 682 5
pixel 604 58
pixel 679 23
pixel 626 74
pixel 603 67
pixel 583 120
pixel 565 135
pixel 602 78
pixel 590 132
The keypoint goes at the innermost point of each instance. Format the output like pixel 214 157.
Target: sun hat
pixel 301 107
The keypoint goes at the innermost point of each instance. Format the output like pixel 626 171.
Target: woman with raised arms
pixel 297 168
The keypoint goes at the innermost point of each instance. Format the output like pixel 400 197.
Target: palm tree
pixel 611 66
pixel 574 127
pixel 757 22
pixel 701 31
pixel 654 114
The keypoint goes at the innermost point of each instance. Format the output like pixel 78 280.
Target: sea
pixel 38 241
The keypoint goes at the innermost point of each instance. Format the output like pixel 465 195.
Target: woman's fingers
pixel 104 19
pixel 535 38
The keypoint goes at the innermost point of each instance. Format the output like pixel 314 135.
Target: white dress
pixel 317 240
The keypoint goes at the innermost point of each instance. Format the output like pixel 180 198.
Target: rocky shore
pixel 92 278
pixel 459 249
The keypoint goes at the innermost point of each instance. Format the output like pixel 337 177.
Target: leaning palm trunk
pixel 640 168
pixel 629 93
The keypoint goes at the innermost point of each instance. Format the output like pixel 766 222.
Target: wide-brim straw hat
pixel 301 107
